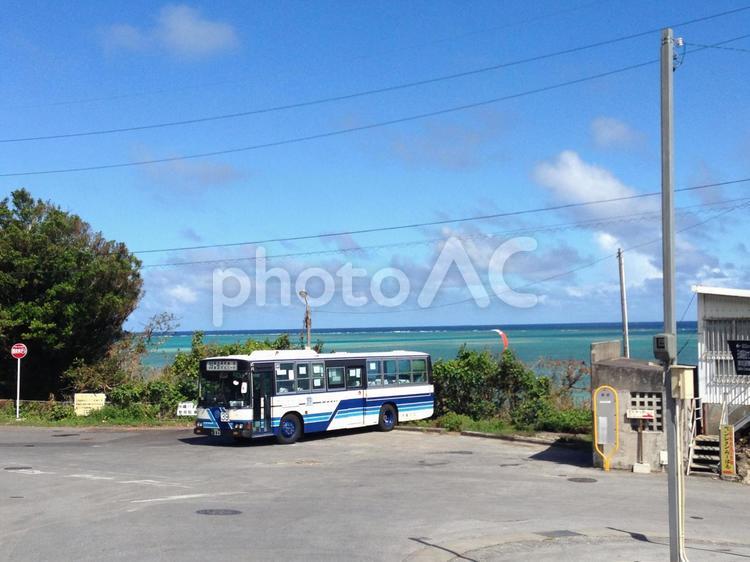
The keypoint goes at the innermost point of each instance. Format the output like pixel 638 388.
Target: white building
pixel 723 314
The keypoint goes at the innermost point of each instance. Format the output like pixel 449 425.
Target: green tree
pixel 65 291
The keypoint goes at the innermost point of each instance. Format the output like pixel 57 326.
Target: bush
pixel 135 413
pixel 453 421
pixel 164 394
pixel 573 420
pixel 467 384
pixel 61 412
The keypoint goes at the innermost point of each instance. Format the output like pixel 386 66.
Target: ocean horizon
pixel 530 342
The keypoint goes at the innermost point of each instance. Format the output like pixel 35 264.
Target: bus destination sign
pixel 221 365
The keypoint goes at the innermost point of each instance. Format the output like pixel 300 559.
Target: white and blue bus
pixel 288 393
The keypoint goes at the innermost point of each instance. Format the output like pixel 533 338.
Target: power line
pixel 539 281
pixel 717 47
pixel 330 99
pixel 531 230
pixel 442 221
pixel 116 97
pixel 309 103
pixel 335 133
pixel 458 37
pixel 347 130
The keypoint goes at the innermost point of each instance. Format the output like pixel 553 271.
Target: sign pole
pixel 18 351
pixel 18 390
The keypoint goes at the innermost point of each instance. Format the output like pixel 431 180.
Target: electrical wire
pixel 537 282
pixel 517 232
pixel 457 37
pixel 331 99
pixel 347 130
pixel 443 221
pixel 690 336
pixel 723 48
pixel 334 133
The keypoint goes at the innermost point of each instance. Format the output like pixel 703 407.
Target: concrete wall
pixel 639 384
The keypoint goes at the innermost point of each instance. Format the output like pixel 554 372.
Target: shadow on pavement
pixel 643 538
pixel 228 441
pixel 564 455
pixel 457 555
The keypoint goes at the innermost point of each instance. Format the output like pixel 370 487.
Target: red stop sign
pixel 18 351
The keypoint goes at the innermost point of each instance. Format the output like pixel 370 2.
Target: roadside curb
pixel 100 428
pixel 550 439
pixel 554 441
pixel 421 429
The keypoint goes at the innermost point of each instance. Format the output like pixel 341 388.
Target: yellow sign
pixel 606 423
pixel 85 403
pixel 726 437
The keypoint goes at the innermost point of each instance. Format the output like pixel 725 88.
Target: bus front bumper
pixel 234 429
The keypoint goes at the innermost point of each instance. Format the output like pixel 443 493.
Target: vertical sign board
pixel 726 438
pixel 606 423
pixel 18 351
pixel 741 354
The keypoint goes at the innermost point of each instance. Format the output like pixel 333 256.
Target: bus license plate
pixel 216 432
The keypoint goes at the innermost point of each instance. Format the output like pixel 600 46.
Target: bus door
pixel 262 392
pixel 355 377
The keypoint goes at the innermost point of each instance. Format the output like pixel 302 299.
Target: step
pixel 702 473
pixel 715 458
pixel 698 447
pixel 698 466
pixel 706 438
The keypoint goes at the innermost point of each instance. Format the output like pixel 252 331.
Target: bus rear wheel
pixel 290 429
pixel 388 418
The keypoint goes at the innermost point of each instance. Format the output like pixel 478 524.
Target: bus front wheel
pixel 290 429
pixel 388 418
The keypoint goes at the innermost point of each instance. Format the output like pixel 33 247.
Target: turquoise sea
pixel 530 342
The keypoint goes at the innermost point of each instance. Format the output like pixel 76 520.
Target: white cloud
pixel 639 267
pixel 182 294
pixel 179 30
pixel 572 180
pixel 609 132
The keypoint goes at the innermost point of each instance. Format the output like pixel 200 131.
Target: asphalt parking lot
pixel 75 494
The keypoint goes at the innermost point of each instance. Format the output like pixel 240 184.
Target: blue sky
pixel 76 67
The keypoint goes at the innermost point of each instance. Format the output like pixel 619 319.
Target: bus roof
pixel 309 354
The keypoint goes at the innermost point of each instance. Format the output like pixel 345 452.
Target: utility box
pixel 640 391
pixel 682 382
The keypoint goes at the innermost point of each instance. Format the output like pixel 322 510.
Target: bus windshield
pixel 226 389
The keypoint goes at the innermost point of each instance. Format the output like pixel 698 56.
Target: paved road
pixel 70 494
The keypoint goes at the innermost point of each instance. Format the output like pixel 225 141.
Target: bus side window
pixel 419 370
pixel 335 377
pixel 303 377
pixel 285 380
pixel 404 371
pixel 374 376
pixel 354 377
pixel 318 377
pixel 389 371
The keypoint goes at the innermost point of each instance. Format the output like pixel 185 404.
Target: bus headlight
pixel 198 424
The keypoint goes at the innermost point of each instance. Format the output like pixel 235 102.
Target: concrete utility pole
pixel 308 318
pixel 624 305
pixel 675 473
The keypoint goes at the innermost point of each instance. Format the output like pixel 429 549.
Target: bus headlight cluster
pixel 198 424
